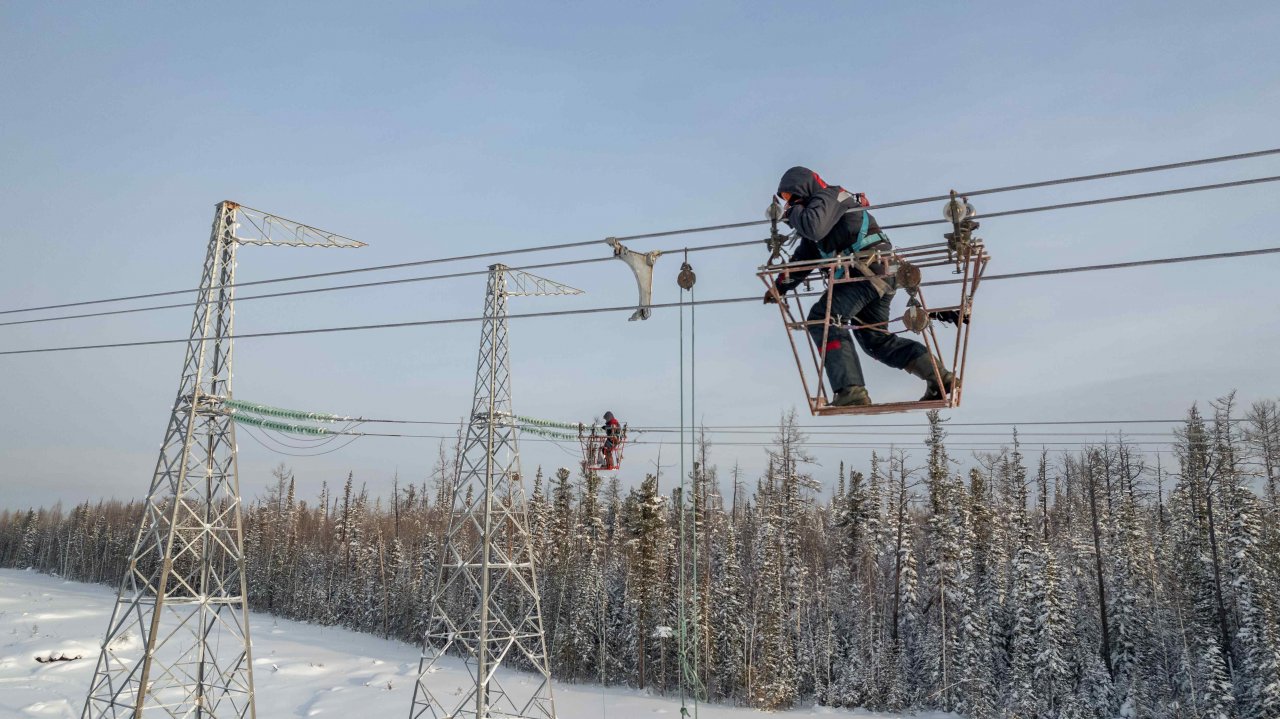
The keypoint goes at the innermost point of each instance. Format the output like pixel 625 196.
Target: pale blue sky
pixel 433 129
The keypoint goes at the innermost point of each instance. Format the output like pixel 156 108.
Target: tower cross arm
pixel 522 284
pixel 255 227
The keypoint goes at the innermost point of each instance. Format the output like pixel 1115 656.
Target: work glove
pixel 951 317
pixel 771 296
pixel 792 208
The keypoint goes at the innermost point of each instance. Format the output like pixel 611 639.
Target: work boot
pixel 922 367
pixel 851 396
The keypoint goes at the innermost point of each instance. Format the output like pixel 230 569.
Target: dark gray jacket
pixel 821 216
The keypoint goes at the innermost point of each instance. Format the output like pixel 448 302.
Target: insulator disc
pixel 774 211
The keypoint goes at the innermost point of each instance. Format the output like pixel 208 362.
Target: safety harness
pixel 862 242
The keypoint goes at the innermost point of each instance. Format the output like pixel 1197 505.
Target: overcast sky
pixel 437 129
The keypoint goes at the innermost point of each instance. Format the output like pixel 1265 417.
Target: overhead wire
pixel 773 428
pixel 249 431
pixel 703 248
pixel 734 225
pixel 987 191
pixel 631 308
pixel 977 446
pixel 1145 446
pixel 948 423
pixel 832 431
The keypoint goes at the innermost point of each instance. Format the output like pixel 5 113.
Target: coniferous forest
pixel 1096 583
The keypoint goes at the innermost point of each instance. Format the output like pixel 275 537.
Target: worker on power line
pixel 830 223
pixel 612 432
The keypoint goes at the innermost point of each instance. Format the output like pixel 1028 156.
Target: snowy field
pixel 300 670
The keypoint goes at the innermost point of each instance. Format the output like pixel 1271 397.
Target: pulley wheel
pixel 686 278
pixel 915 319
pixel 908 276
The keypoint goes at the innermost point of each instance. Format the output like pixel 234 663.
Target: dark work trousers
pixel 857 302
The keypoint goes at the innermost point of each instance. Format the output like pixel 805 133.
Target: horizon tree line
pixel 1086 584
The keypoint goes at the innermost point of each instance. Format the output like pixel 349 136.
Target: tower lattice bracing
pixel 485 608
pixel 178 641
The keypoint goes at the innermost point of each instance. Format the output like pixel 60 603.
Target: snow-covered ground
pixel 300 670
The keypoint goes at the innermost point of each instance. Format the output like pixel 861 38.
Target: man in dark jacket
pixel 830 222
pixel 612 430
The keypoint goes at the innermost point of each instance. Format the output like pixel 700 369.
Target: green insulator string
pixel 255 414
pixel 547 433
pixel 264 423
pixel 548 422
pixel 269 411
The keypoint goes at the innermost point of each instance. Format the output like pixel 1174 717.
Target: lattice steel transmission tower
pixel 485 606
pixel 178 641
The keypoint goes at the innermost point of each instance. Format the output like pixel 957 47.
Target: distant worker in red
pixel 612 431
pixel 831 223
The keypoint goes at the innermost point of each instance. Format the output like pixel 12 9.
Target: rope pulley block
pixel 908 276
pixel 687 277
pixel 915 318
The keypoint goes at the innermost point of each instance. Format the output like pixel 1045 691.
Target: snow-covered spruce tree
pixel 853 601
pixel 849 673
pixel 557 567
pixel 728 619
pixel 1258 675
pixel 773 675
pixel 1051 670
pixel 672 636
pixel 1129 589
pixel 901 584
pixel 1262 441
pixel 644 520
pixel 709 519
pixel 29 543
pixel 539 521
pixel 1196 574
pixel 1261 434
pixel 945 560
pixel 1255 656
pixel 974 680
pixel 1025 603
pixel 794 511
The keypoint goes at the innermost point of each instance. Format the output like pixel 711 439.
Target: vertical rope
pixel 680 621
pixel 693 423
pixel 688 673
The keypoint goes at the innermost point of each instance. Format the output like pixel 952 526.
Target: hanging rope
pixel 689 671
pixel 693 425
pixel 680 621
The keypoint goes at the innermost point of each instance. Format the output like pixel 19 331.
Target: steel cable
pixel 688 230
pixel 721 246
pixel 631 308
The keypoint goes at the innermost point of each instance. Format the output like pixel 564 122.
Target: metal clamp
pixel 641 264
